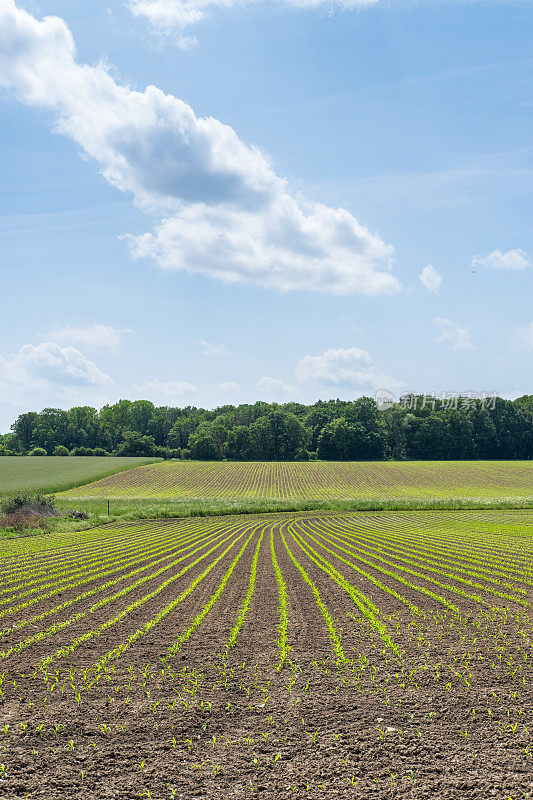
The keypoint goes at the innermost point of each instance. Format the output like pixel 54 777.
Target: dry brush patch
pixel 297 655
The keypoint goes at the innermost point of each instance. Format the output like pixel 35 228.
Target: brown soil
pixel 449 718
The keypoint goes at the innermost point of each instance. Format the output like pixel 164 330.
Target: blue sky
pixel 262 224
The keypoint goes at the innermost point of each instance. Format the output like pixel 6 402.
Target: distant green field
pixel 55 473
pixel 319 481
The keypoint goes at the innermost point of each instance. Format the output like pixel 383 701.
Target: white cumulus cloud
pixel 512 260
pixel 453 334
pixel 225 212
pixel 172 17
pixel 97 337
pixel 48 364
pixel 287 244
pixel 430 278
pixel 344 367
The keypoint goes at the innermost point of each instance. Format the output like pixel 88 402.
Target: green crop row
pixel 282 602
pixel 390 579
pixel 427 575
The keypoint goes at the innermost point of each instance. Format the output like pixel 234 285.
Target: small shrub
pixel 82 451
pixel 175 453
pixel 38 451
pixel 99 451
pixel 61 450
pixel 36 504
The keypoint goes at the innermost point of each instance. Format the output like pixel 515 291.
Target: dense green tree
pixel 83 427
pixel 484 434
pixel 341 440
pixel 134 444
pixel 513 439
pixel 317 418
pixel 209 438
pixel 394 426
pixel 114 420
pixel 459 436
pixel 139 415
pixel 23 429
pixel 525 403
pixel 8 441
pixel 364 414
pixel 181 430
pixel 278 436
pixel 160 424
pixel 50 427
pixel 240 446
pixel 298 409
pixel 203 446
pixel 418 427
pixel 426 437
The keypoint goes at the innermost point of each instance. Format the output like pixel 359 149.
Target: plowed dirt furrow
pixel 206 668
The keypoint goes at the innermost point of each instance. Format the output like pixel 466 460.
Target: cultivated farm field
pixel 318 480
pixel 54 473
pixel 383 655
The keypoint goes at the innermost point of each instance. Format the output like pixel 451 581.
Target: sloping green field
pixel 318 480
pixel 55 473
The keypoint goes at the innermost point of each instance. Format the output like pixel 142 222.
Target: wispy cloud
pixel 453 334
pixel 97 337
pixel 512 260
pixel 209 349
pixel 172 17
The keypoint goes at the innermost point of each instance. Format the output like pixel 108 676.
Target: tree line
pixel 416 427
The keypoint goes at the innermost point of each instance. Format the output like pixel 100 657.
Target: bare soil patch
pixel 442 708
